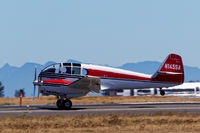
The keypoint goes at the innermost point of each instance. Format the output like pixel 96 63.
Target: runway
pixel 102 109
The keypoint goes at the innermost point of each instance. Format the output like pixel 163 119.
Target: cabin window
pixel 72 68
pixel 76 70
pixel 84 72
pixel 68 70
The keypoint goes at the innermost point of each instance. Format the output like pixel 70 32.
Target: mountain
pixel 15 78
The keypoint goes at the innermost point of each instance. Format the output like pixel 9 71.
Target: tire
pixel 59 104
pixel 162 92
pixel 67 104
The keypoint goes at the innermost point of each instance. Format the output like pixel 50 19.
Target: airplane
pixel 71 80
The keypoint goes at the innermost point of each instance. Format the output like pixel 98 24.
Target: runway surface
pixel 101 109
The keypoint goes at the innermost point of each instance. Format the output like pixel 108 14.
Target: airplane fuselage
pixel 110 78
pixel 69 80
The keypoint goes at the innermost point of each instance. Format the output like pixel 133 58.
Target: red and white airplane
pixel 70 80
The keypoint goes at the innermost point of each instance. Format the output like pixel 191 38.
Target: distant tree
pixel 17 93
pixel 1 90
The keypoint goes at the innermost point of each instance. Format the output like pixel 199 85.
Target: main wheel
pixel 162 92
pixel 59 104
pixel 67 104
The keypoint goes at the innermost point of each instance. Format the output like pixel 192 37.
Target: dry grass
pixel 106 124
pixel 157 123
pixel 98 99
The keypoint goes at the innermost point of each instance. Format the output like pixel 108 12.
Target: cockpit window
pixel 52 70
pixel 66 68
pixel 55 68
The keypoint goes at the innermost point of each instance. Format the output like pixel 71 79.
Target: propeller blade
pixel 34 91
pixel 38 91
pixel 35 77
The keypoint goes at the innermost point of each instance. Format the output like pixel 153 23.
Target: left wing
pixel 90 83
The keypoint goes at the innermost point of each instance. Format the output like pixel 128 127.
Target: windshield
pixel 55 68
pixel 65 68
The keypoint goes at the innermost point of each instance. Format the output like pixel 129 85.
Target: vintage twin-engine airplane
pixel 70 80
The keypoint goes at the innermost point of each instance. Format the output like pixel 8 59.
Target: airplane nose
pixel 35 82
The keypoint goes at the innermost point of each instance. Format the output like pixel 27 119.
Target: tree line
pixel 1 89
pixel 17 92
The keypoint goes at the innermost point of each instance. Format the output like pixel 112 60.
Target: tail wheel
pixel 67 104
pixel 162 92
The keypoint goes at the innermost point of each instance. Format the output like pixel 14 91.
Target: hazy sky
pixel 99 31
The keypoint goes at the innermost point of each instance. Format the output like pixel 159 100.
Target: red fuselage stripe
pixel 58 81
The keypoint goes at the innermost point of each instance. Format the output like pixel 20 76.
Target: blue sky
pixel 99 31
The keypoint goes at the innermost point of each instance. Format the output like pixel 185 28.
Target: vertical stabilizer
pixel 171 70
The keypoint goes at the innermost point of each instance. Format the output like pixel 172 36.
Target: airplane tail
pixel 171 70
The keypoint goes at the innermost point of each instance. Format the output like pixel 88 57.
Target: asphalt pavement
pixel 101 109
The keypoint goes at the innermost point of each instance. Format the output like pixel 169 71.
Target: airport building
pixel 189 88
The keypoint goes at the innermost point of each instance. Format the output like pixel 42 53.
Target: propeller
pixel 34 83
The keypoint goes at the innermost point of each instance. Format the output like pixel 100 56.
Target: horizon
pixel 88 63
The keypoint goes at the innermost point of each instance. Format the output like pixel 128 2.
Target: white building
pixel 189 88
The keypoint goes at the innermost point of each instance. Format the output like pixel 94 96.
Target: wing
pixel 90 83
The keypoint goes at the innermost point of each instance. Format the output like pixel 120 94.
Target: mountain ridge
pixel 15 78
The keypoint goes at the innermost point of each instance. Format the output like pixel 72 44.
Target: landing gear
pixel 64 104
pixel 59 104
pixel 67 104
pixel 162 92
